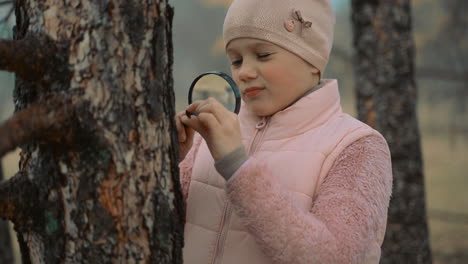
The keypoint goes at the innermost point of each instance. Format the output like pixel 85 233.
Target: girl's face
pixel 269 77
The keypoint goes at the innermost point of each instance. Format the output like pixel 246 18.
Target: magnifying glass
pixel 218 85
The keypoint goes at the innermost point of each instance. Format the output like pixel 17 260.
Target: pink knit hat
pixel 304 27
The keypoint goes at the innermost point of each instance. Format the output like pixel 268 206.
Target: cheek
pixel 276 75
pixel 281 79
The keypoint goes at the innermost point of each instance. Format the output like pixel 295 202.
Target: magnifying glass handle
pixel 189 114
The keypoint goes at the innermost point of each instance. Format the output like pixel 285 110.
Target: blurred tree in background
pixel 386 100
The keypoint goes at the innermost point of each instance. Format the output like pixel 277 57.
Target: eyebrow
pixel 252 46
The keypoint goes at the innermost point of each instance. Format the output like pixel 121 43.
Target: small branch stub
pixel 8 199
pixel 45 121
pixel 32 58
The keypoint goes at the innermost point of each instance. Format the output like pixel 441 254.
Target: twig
pixel 45 121
pixel 32 58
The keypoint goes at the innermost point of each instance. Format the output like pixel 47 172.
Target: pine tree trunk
pixel 98 179
pixel 386 95
pixel 6 251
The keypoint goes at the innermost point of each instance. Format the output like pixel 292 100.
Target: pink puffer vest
pixel 299 144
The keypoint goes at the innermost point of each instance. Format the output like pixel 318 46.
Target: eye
pixel 236 62
pixel 263 55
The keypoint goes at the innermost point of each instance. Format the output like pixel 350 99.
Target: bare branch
pixel 32 58
pixel 45 121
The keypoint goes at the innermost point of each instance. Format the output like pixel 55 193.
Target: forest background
pixel 441 37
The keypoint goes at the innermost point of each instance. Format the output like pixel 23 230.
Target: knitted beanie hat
pixel 304 27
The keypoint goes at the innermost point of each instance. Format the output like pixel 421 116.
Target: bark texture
pixel 6 250
pixel 386 95
pixel 102 184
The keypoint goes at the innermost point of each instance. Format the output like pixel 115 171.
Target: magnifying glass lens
pixel 217 85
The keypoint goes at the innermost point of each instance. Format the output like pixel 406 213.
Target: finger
pixel 204 123
pixel 189 114
pixel 196 106
pixel 193 123
pixel 214 107
pixel 192 107
pixel 180 128
pixel 189 132
pixel 209 121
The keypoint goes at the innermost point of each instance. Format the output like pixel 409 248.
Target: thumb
pixel 189 131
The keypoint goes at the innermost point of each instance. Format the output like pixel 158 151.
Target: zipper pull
pixel 261 124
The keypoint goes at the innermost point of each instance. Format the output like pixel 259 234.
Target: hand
pixel 185 135
pixel 218 126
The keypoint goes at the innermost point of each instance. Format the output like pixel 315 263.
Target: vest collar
pixel 310 111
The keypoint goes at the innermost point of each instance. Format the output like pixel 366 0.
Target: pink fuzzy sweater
pixel 351 204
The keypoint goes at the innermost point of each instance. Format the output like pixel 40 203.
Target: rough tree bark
pixel 386 95
pixel 6 251
pixel 98 179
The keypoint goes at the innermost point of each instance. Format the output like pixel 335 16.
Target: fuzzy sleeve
pixel 186 165
pixel 347 216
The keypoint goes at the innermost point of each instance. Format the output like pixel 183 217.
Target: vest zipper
pixel 257 138
pixel 222 234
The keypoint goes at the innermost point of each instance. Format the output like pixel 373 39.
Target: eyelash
pixel 259 56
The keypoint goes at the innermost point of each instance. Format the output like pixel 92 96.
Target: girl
pixel 292 179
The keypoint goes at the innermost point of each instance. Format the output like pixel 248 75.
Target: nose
pixel 247 72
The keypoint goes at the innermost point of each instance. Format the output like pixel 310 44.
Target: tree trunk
pixel 386 95
pixel 6 251
pixel 98 179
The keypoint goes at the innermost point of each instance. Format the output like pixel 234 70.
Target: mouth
pixel 253 91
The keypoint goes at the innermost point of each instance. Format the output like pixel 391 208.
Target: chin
pixel 261 111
